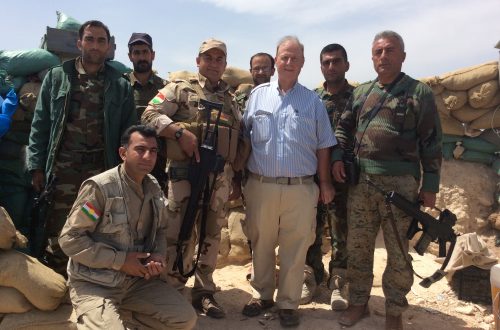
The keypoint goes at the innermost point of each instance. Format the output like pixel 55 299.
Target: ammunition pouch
pixel 227 142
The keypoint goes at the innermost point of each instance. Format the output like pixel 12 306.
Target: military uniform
pixel 76 132
pixel 113 215
pixel 334 214
pixel 402 139
pixel 142 95
pixel 179 102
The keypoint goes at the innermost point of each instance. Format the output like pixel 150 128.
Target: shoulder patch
pixel 158 99
pixel 90 211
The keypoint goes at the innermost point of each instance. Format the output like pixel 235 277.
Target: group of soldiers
pixel 101 133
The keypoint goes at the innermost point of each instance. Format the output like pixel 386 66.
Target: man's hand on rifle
pixel 37 180
pixel 338 171
pixel 427 198
pixel 189 144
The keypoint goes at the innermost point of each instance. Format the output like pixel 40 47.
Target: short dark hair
pixel 144 130
pixel 94 23
pixel 262 54
pixel 333 48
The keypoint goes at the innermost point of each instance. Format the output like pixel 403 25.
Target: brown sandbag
pixel 466 114
pixel 43 287
pixel 434 83
pixel 441 107
pixel 490 119
pixel 466 78
pixel 63 318
pixel 453 100
pixel 482 94
pixel 235 76
pixel 9 236
pixel 181 75
pixel 451 126
pixel 13 301
pixel 494 102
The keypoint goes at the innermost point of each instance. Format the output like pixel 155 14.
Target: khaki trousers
pixel 154 304
pixel 284 216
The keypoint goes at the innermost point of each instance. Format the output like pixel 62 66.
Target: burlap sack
pixel 494 101
pixel 63 318
pixel 463 79
pixel 235 76
pixel 9 236
pixel 494 220
pixel 466 114
pixel 244 88
pixel 453 100
pixel 43 287
pixel 451 126
pixel 482 94
pixel 441 107
pixel 181 75
pixel 13 301
pixel 490 119
pixel 434 83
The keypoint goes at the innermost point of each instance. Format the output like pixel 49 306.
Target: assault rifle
pixel 433 230
pixel 40 207
pixel 201 189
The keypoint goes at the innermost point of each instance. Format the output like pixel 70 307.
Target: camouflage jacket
pixel 144 94
pixel 51 113
pixel 403 137
pixel 335 104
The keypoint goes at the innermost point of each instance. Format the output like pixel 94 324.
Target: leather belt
pixel 283 180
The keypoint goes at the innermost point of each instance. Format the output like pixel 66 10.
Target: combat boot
pixel 353 314
pixel 309 286
pixel 393 322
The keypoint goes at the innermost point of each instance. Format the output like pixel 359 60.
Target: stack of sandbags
pixel 24 281
pixel 468 99
pixel 468 102
pixel 233 76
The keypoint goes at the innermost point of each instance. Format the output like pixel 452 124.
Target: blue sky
pixel 440 36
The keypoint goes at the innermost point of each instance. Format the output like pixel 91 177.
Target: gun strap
pixel 398 239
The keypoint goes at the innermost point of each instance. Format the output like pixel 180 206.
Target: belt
pixel 283 180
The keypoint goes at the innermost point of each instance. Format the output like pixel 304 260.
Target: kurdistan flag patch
pixel 158 99
pixel 91 211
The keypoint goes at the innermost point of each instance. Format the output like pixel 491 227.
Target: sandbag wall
pixel 468 102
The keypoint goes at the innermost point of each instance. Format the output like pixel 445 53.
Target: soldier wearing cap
pixel 145 85
pixel 176 115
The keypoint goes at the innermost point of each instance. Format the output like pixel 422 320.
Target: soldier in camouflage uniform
pixel 177 114
pixel 393 146
pixel 83 108
pixel 336 94
pixel 146 84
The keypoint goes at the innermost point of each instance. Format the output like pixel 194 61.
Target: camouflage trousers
pixel 367 213
pixel 335 216
pixel 70 176
pixel 178 195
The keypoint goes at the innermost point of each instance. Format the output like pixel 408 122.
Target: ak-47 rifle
pixel 40 205
pixel 201 189
pixel 433 230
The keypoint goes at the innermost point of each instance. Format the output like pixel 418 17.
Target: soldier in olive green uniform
pixel 146 84
pixel 398 147
pixel 336 94
pixel 83 107
pixel 177 114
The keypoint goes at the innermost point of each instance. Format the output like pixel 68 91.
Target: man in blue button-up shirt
pixel 291 139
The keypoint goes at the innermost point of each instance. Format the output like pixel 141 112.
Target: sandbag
pixel 43 287
pixel 494 101
pixel 463 79
pixel 27 100
pixel 451 126
pixel 9 236
pixel 434 83
pixel 482 94
pixel 26 62
pixel 478 144
pixel 477 157
pixel 466 114
pixel 490 119
pixel 492 136
pixel 181 75
pixel 234 76
pixel 453 100
pixel 65 22
pixel 441 107
pixel 63 318
pixel 496 166
pixel 119 66
pixel 447 138
pixel 447 150
pixel 13 301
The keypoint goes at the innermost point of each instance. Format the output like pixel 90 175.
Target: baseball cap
pixel 141 37
pixel 212 43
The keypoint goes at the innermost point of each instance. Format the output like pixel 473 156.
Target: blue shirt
pixel 286 130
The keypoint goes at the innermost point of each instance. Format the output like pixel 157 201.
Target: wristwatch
pixel 178 133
